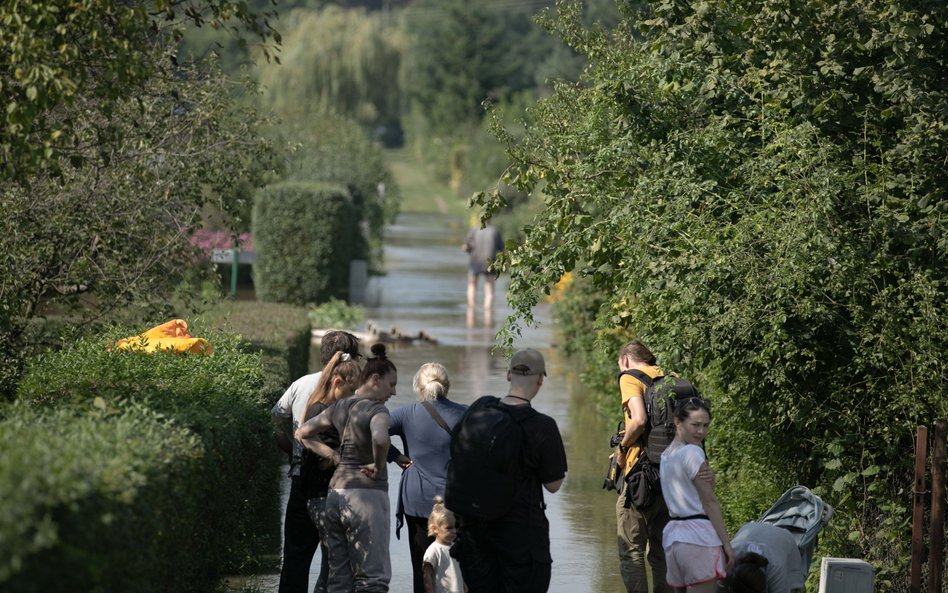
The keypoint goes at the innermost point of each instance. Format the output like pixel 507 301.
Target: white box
pixel 846 575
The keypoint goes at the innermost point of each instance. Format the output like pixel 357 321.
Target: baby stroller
pixel 803 514
pixel 782 542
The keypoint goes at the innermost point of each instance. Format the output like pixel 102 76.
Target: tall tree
pixel 91 51
pixel 463 52
pixel 337 61
pixel 756 187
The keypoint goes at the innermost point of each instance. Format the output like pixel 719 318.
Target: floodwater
pixel 424 290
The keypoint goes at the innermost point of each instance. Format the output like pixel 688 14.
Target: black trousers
pixel 418 542
pixel 300 541
pixel 503 557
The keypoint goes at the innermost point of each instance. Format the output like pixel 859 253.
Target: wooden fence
pixel 936 532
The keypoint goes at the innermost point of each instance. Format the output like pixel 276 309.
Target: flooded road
pixel 424 290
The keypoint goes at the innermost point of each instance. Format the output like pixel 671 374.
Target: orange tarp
pixel 171 336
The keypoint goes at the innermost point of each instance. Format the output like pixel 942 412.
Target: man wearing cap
pixel 512 554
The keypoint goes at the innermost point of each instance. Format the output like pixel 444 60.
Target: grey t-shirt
pixel 784 569
pixel 356 448
pixel 483 246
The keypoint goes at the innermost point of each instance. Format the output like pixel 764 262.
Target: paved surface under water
pixel 424 290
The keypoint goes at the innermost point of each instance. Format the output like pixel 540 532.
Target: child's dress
pixel 447 572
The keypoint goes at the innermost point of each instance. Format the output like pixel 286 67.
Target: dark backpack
pixel 485 469
pixel 661 396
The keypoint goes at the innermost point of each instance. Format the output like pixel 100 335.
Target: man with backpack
pixel 503 454
pixel 639 528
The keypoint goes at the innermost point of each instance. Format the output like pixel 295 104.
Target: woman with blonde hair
pixel 425 429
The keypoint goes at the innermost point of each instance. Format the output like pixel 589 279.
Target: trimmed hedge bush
pixel 305 235
pixel 280 333
pixel 100 502
pixel 219 399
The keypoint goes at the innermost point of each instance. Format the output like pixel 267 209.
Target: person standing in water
pixel 482 245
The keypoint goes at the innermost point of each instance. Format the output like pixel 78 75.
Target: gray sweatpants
pixel 358 528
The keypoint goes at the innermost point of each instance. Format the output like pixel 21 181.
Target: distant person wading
pixel 483 245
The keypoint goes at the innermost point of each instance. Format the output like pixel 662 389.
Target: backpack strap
pixel 640 375
pixel 437 417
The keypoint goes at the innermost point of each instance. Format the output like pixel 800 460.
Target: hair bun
pixel 378 349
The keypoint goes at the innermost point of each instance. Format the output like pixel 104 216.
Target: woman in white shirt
pixel 697 550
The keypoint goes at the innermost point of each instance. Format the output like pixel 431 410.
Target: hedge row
pixel 202 515
pixel 280 333
pixel 305 235
pixel 99 502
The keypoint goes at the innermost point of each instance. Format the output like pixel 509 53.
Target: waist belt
pixel 689 517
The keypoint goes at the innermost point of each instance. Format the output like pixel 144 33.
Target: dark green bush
pixel 280 333
pixel 100 501
pixel 304 237
pixel 218 397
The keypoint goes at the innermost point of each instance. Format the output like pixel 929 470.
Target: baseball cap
pixel 527 362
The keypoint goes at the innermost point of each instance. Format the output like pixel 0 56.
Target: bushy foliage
pixel 216 397
pixel 756 189
pixel 280 333
pixel 110 226
pixel 333 149
pixel 54 79
pixel 305 235
pixel 336 314
pixel 100 501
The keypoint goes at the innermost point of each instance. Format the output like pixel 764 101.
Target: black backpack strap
pixel 641 376
pixel 437 417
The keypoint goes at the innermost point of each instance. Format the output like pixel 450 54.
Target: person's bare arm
pixel 634 421
pixel 553 486
pixel 712 508
pixel 634 412
pixel 380 442
pixel 428 576
pixel 308 436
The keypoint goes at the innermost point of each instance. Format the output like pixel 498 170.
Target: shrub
pixel 100 502
pixel 336 314
pixel 280 333
pixel 218 397
pixel 304 234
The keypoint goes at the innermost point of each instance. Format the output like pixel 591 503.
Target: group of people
pixel 336 429
pixel 341 442
pixel 680 533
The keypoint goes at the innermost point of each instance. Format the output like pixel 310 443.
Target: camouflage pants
pixel 358 528
pixel 640 540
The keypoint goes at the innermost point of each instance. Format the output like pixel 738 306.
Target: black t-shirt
pixel 315 481
pixel 543 461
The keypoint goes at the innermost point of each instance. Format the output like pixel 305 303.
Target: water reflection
pixel 424 289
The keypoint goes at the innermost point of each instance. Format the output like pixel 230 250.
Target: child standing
pixel 441 572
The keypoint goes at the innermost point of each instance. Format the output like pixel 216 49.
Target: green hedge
pixel 305 235
pixel 100 502
pixel 280 333
pixel 219 398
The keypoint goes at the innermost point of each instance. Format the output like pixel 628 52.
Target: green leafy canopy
pixel 756 189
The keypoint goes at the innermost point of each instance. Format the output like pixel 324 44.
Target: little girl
pixel 441 572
